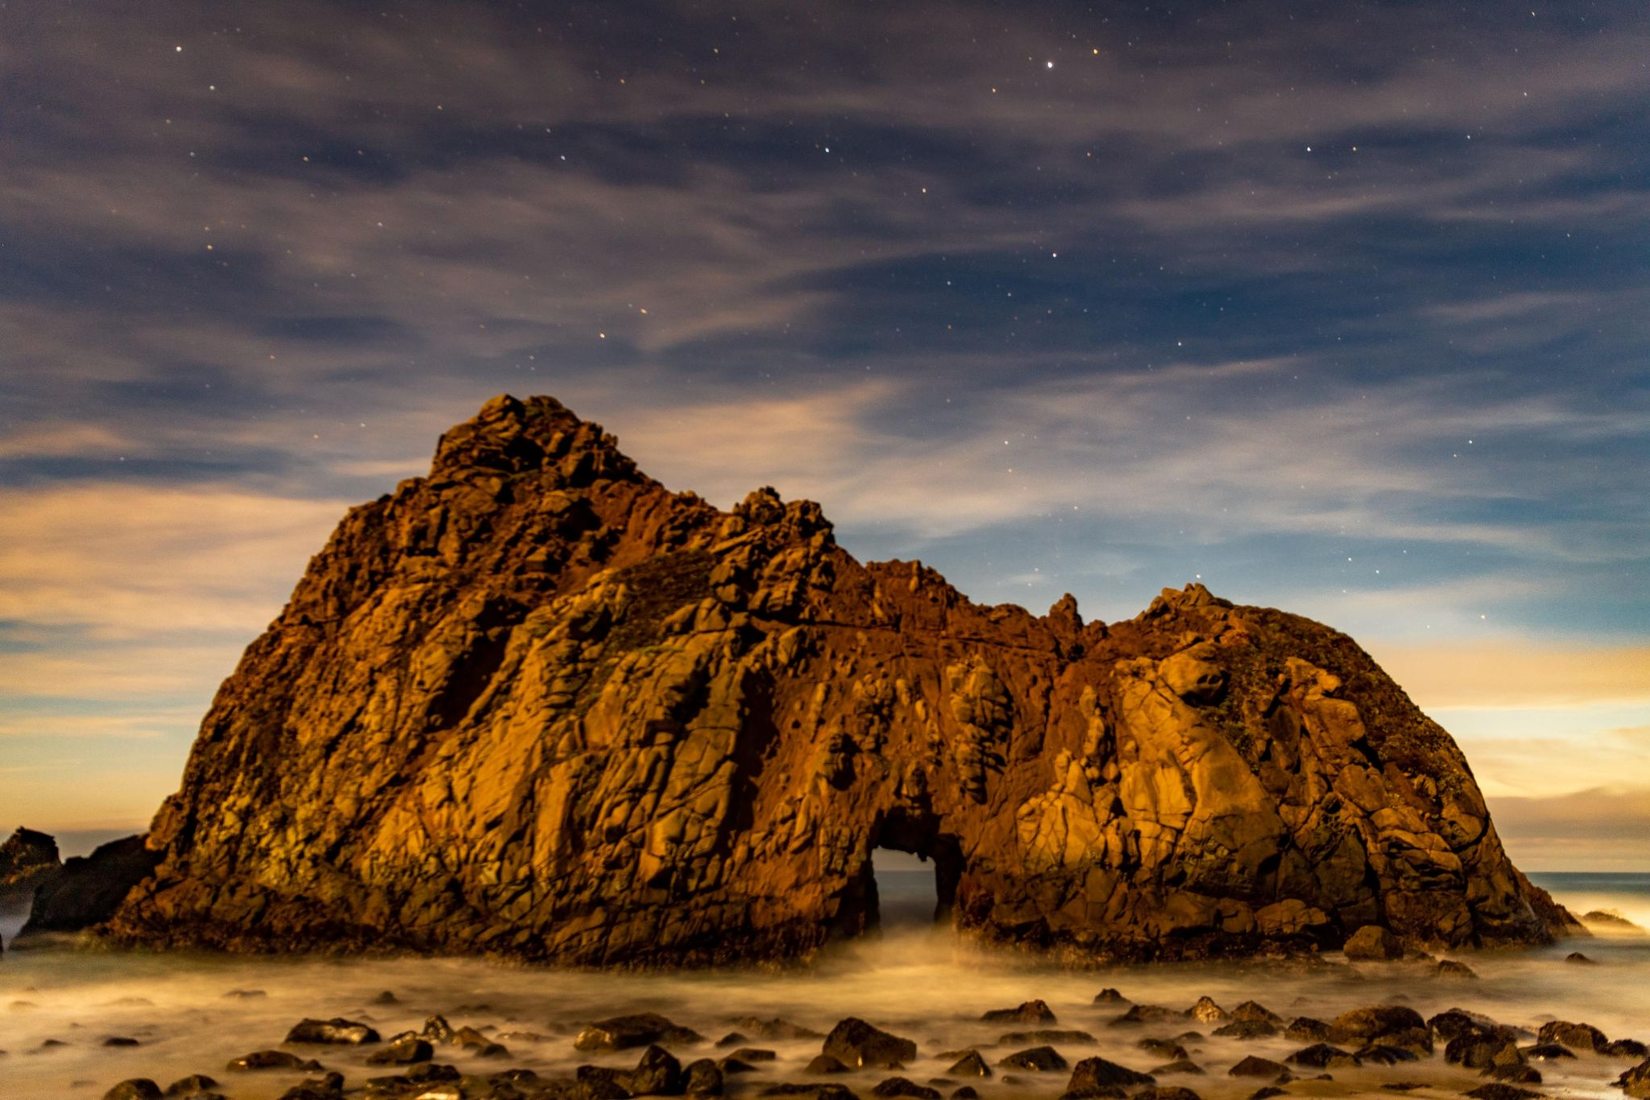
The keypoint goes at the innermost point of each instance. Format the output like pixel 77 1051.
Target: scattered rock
pixel 272 1059
pixel 855 1043
pixel 1373 942
pixel 1044 1035
pixel 1162 1048
pixel 193 1084
pixel 1546 1052
pixel 1323 1056
pixel 1247 1029
pixel 1393 1025
pixel 329 1087
pixel 244 994
pixel 138 1088
pixel 658 1073
pixel 774 1028
pixel 1146 1014
pixel 1110 996
pixel 1305 1029
pixel 970 1065
pixel 1254 1066
pixel 404 1051
pixel 1207 1011
pixel 1031 1012
pixel 703 1077
pixel 1578 957
pixel 1094 1076
pixel 386 998
pixel 824 1063
pixel 1624 1048
pixel 1183 1065
pixel 1574 1036
pixel 1035 1059
pixel 1449 968
pixel 903 1086
pixel 1166 1092
pixel 336 1030
pixel 121 1041
pixel 639 1030
pixel 1498 1091
pixel 1636 1081
pixel 965 1092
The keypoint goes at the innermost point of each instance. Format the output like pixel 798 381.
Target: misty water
pixel 192 1013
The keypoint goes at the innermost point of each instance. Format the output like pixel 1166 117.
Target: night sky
pixel 1342 308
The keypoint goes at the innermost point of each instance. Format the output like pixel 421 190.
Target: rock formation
pixel 535 704
pixel 87 890
pixel 27 858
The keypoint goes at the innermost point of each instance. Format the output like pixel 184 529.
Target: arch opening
pixel 911 874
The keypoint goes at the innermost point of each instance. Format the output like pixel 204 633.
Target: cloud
pixel 1604 827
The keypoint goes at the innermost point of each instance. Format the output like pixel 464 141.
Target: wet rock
pixel 336 1031
pixel 192 1085
pixel 1254 1010
pixel 733 1039
pixel 244 994
pixel 1373 942
pixel 1162 1048
pixel 658 1073
pixel 437 1030
pixel 1449 968
pixel 404 1051
pixel 1254 1066
pixel 1546 1052
pixel 732 1067
pixel 1166 1092
pixel 824 1063
pixel 753 1054
pixel 1513 1073
pixel 814 1092
pixel 601 1083
pixel 272 1059
pixel 1447 1025
pixel 1265 1092
pixel 1207 1011
pixel 855 1043
pixel 1574 1036
pixel 385 998
pixel 1036 1059
pixel 965 1092
pixel 1578 957
pixel 1323 1056
pixel 703 1077
pixel 121 1041
pixel 1182 1065
pixel 969 1065
pixel 1031 1012
pixel 1305 1029
pixel 1381 1054
pixel 1044 1035
pixel 1482 1047
pixel 1636 1081
pixel 774 1027
pixel 1146 1014
pixel 1394 1025
pixel 903 1086
pixel 1096 1076
pixel 138 1088
pixel 1247 1029
pixel 639 1030
pixel 1624 1048
pixel 330 1087
pixel 1497 1091
pixel 1110 996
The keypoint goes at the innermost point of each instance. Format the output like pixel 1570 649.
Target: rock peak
pixel 536 705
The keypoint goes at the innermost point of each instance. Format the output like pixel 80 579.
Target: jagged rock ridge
pixel 535 704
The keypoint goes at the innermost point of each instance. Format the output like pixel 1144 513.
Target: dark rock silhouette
pixel 537 705
pixel 27 858
pixel 87 890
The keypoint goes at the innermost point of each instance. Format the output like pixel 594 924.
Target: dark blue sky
pixel 1339 307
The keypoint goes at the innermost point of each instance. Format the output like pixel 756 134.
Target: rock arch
pixel 534 704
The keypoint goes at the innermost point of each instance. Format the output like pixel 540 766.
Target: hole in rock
pixel 906 893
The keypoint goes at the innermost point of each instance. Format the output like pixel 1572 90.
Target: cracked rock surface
pixel 536 705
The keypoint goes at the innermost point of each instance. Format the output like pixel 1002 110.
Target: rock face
pixel 27 859
pixel 536 704
pixel 86 890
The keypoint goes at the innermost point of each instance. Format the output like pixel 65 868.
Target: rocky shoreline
pixel 1123 1050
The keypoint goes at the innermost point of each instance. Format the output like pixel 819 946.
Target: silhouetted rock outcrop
pixel 87 890
pixel 535 704
pixel 27 858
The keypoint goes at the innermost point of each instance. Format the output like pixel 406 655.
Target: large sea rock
pixel 536 704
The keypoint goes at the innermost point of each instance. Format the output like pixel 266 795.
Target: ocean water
pixel 191 1013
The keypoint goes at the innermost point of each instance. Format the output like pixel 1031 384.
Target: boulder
pixel 337 1031
pixel 902 1086
pixel 1031 1012
pixel 1373 942
pixel 1095 1076
pixel 855 1044
pixel 272 1059
pixel 1034 1059
pixel 1636 1081
pixel 138 1088
pixel 969 1065
pixel 540 657
pixel 1253 1066
pixel 639 1030
pixel 402 1052
pixel 1574 1036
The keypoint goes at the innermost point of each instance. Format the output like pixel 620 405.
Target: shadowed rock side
pixel 537 705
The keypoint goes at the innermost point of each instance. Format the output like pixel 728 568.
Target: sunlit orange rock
pixel 535 704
